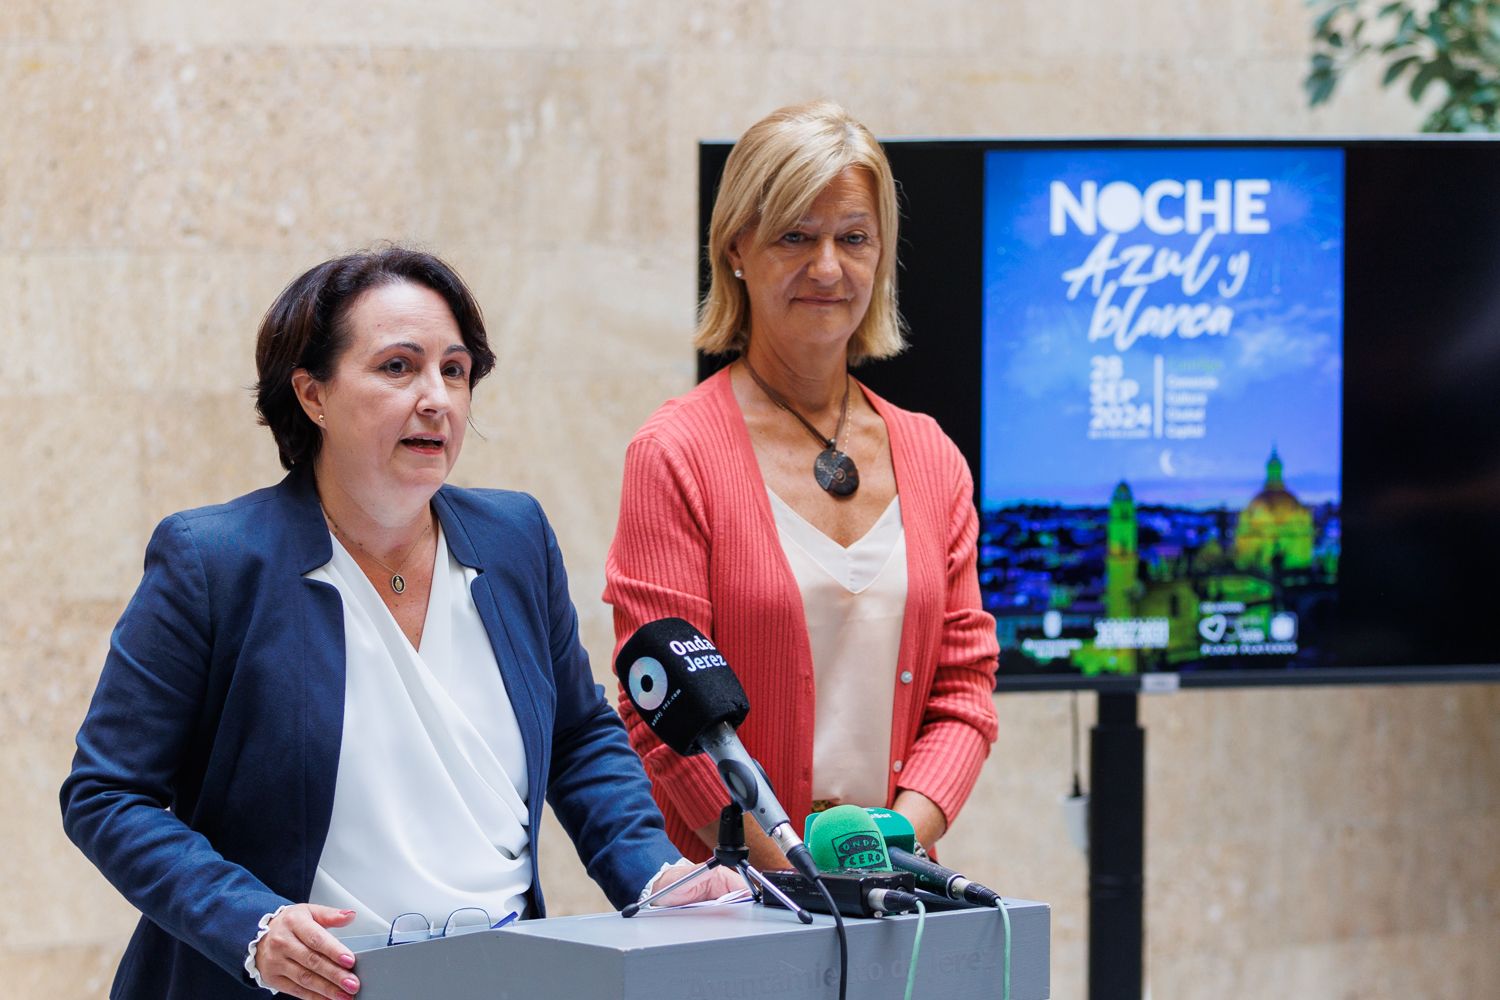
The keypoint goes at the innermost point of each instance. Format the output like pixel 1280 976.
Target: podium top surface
pixel 697 953
pixel 690 925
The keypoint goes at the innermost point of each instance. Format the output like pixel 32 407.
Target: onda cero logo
pixel 860 849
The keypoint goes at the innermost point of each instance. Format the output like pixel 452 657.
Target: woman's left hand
pixel 926 818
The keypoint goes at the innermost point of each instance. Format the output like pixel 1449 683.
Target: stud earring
pixel 738 273
pixel 322 419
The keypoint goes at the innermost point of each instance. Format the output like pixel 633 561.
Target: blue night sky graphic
pixel 1262 367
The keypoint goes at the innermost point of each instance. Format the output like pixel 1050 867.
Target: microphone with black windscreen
pixel 683 689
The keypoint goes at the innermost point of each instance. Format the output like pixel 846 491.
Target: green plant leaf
pixel 1321 22
pixel 1436 35
pixel 1407 30
pixel 1425 75
pixel 1395 69
pixel 1319 87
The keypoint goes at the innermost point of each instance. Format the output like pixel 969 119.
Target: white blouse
pixel 429 811
pixel 854 600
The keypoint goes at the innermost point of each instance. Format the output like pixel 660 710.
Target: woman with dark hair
pixel 824 538
pixel 345 697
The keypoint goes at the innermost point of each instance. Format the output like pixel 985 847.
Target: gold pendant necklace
pixel 398 582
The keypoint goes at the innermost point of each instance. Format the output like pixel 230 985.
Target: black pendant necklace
pixel 836 472
pixel 833 470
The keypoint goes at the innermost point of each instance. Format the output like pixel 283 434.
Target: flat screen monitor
pixel 1230 405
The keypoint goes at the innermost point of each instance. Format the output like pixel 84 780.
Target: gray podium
pixel 705 953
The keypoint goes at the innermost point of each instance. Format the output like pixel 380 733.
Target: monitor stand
pixel 1117 842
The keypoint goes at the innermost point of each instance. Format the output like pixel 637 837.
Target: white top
pixel 854 600
pixel 429 812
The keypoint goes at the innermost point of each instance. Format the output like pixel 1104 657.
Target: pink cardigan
pixel 697 540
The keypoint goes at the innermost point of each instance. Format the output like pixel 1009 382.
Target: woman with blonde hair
pixel 824 538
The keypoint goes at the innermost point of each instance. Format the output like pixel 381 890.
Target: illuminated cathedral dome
pixel 1275 531
pixel 1274 496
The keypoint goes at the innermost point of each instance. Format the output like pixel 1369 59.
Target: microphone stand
pixel 731 853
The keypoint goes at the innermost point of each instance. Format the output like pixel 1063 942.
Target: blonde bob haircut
pixel 773 175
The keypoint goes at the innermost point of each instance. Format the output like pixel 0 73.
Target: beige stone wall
pixel 166 165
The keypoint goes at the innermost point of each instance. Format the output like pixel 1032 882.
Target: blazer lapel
pixel 519 684
pixel 319 675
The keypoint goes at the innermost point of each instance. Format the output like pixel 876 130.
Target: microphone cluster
pixel 851 855
pixel 684 690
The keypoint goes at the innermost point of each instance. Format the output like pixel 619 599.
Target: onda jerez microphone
pixel 683 689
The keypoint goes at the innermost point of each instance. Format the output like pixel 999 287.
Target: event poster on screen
pixel 1162 373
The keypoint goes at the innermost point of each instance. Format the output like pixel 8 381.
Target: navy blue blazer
pixel 203 783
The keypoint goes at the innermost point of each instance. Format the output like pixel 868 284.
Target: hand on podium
pixel 300 958
pixel 710 885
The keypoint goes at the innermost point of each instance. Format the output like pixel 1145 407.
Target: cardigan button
pixel 906 677
pixel 896 767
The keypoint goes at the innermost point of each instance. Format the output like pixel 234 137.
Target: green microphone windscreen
pixel 895 828
pixel 846 838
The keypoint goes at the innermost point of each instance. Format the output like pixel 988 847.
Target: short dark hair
pixel 306 328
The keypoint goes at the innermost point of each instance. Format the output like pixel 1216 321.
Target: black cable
pixel 838 925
